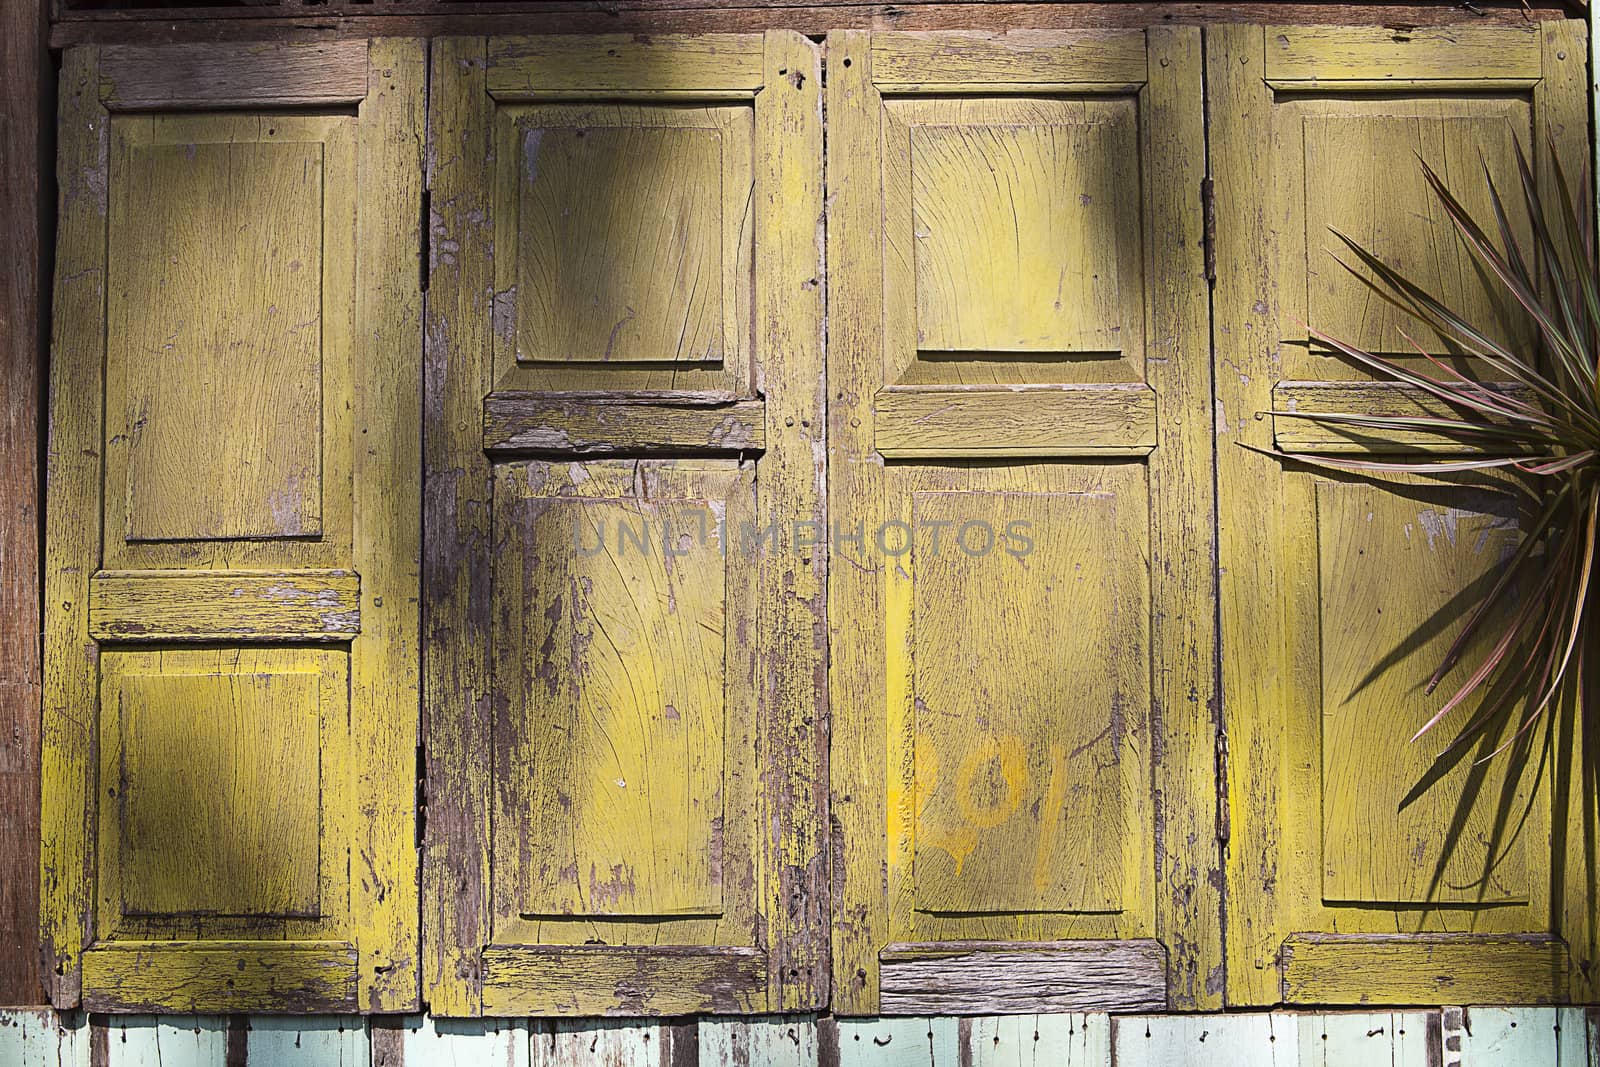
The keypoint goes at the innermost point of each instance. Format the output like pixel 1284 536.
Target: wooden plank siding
pixel 26 125
pixel 1450 1037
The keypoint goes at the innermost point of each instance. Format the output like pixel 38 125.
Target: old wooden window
pixel 1340 877
pixel 625 566
pixel 654 544
pixel 1022 765
pixel 231 630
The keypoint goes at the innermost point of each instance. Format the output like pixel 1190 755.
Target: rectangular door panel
pixel 231 715
pixel 1019 461
pixel 624 709
pixel 1365 867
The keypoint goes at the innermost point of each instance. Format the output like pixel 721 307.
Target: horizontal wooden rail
pixel 977 422
pixel 224 606
pixel 588 426
pixel 966 976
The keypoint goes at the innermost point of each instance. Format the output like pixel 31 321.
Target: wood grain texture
pixel 695 64
pixel 1371 53
pixel 222 606
pixel 856 684
pixel 792 492
pixel 424 18
pixel 1085 420
pixel 73 478
pixel 174 76
pixel 876 317
pixel 1028 745
pixel 1184 639
pixel 622 712
pixel 1367 398
pixel 1381 842
pixel 603 426
pixel 602 277
pixel 385 671
pixel 455 571
pixel 1064 976
pixel 26 117
pixel 1036 270
pixel 1297 793
pixel 205 838
pixel 738 850
pixel 1016 58
pixel 213 976
pixel 181 857
pixel 647 980
pixel 1423 969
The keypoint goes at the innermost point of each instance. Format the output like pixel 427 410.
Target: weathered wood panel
pixel 973 422
pixel 215 976
pixel 516 422
pixel 648 980
pixel 213 606
pixel 26 119
pixel 254 404
pixel 1368 398
pixel 1060 977
pixel 1423 969
pixel 174 76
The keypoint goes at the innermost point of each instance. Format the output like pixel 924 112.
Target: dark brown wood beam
pixel 25 130
pixel 431 18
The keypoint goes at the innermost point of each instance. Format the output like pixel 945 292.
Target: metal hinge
pixel 1224 827
pixel 1208 209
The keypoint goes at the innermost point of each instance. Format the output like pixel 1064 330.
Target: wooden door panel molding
pixel 627 605
pixel 537 423
pixel 1128 975
pixel 1343 886
pixel 1017 312
pixel 233 530
pixel 1369 398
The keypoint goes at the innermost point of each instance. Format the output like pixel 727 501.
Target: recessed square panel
pixel 1017 234
pixel 611 638
pixel 1028 623
pixel 220 793
pixel 1398 827
pixel 215 321
pixel 1363 179
pixel 620 246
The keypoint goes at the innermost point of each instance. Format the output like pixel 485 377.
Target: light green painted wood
pixel 166 1041
pixel 430 1042
pixel 1067 1040
pixel 1489 1037
pixel 42 1038
pixel 1206 1040
pixel 907 1042
pixel 768 1042
pixel 1354 1039
pixel 1525 1037
pixel 277 1041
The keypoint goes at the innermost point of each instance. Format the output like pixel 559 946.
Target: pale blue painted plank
pixel 1205 1040
pixel 601 1043
pixel 278 1041
pixel 38 1037
pixel 899 1042
pixel 429 1042
pixel 166 1040
pixel 1510 1037
pixel 1359 1039
pixel 764 1042
pixel 1057 1040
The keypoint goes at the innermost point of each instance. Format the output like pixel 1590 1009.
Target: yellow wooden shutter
pixel 232 582
pixel 625 563
pixel 1021 511
pixel 1341 887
